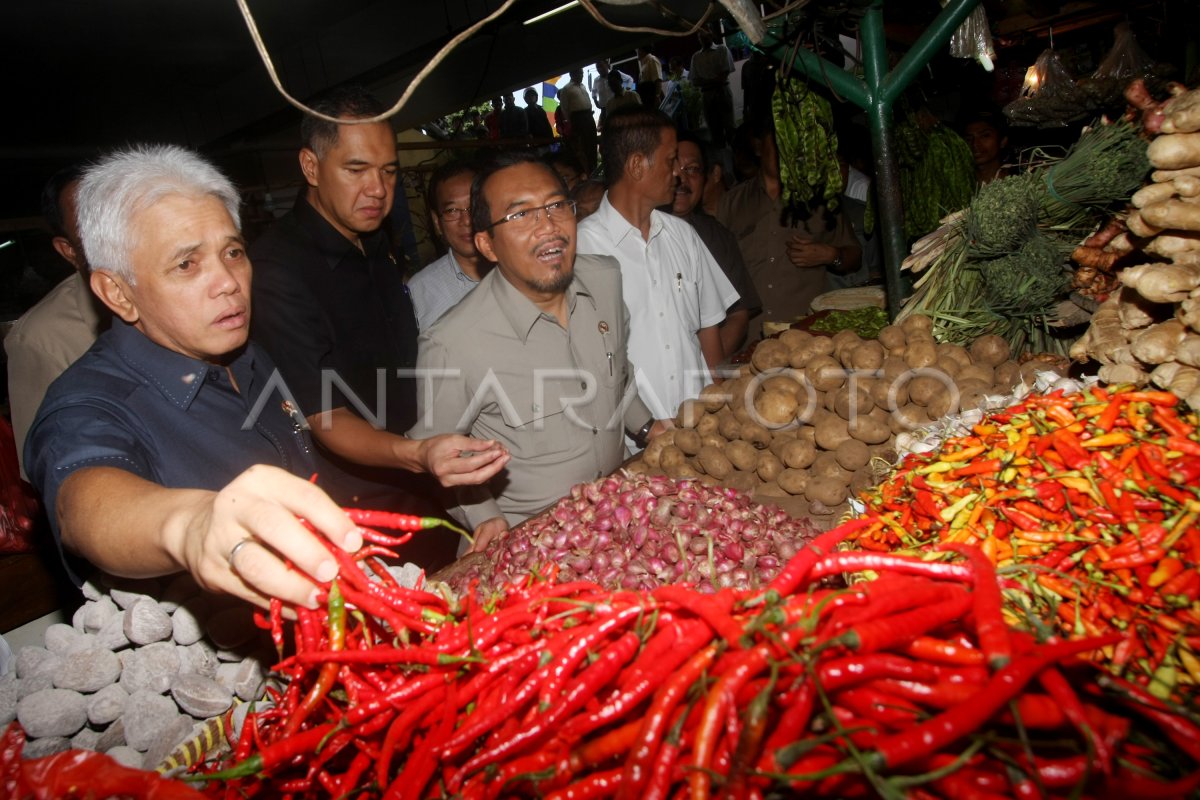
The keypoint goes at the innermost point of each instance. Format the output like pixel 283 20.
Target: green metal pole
pixel 923 50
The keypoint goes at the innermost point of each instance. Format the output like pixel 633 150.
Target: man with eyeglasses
pixel 332 311
pixel 676 293
pixel 442 283
pixel 534 357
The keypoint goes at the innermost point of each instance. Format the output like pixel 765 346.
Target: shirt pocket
pixel 539 428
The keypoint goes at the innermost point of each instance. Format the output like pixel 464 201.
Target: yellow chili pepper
pixel 1114 439
pixel 951 511
pixel 1190 663
pixel 966 454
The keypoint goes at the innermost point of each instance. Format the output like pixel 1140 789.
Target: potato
pixel 829 398
pixel 682 471
pixel 652 455
pixel 798 454
pixel 908 418
pixel 770 489
pixel 794 337
pixel 793 481
pixel 707 424
pixel 879 391
pixel 713 439
pixel 1007 374
pixel 941 404
pixel 920 354
pixel 638 467
pixel 670 457
pixel 708 480
pixel 821 345
pixel 894 367
pixel 768 466
pixel 870 429
pixel 742 455
pixel 742 481
pixel 785 381
pixel 798 357
pixel 807 433
pixel 776 409
pixel 769 353
pixel 868 355
pixel 956 352
pixel 827 491
pixel 852 454
pixel 831 431
pixel 728 426
pixel 826 466
pixel 688 440
pixel 739 392
pixel 713 462
pixel 947 366
pixel 755 434
pixel 689 414
pixel 825 374
pixel 973 397
pixel 849 403
pixel 892 336
pixel 979 372
pixel 744 415
pixel 714 397
pixel 989 349
pixel 862 480
pixel 845 342
pixel 915 323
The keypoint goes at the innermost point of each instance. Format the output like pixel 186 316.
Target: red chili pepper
pixel 1060 690
pixel 1145 556
pixel 990 626
pixel 713 609
pixel 598 784
pixel 851 561
pixel 328 674
pixel 1184 733
pixel 281 752
pixel 930 649
pixel 796 571
pixel 84 773
pixel 891 631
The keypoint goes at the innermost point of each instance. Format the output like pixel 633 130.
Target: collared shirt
pixel 710 64
pixel 46 340
pixel 163 416
pixel 723 245
pixel 672 288
pixel 649 69
pixel 756 220
pixel 573 98
pixel 552 396
pixel 437 288
pixel 338 321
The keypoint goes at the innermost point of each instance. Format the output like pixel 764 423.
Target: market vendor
pixel 535 356
pixel 168 445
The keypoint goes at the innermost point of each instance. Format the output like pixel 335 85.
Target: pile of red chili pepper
pixel 1088 504
pixel 911 685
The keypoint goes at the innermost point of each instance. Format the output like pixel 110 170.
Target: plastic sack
pixel 18 501
pixel 1124 62
pixel 1050 97
pixel 973 39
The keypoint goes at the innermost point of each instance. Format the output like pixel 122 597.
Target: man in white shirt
pixel 650 77
pixel 577 107
pixel 442 283
pixel 675 292
pixel 712 65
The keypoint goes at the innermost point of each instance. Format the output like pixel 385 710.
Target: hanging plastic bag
pixel 1124 62
pixel 1050 97
pixel 973 39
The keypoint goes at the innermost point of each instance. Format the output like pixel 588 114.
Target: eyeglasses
pixel 528 217
pixel 455 214
pixel 692 170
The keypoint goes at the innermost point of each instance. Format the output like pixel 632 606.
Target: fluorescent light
pixel 552 12
pixel 6 244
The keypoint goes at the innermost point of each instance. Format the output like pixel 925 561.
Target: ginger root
pixel 1163 283
pixel 1174 213
pixel 1123 373
pixel 1158 343
pixel 1181 114
pixel 1175 151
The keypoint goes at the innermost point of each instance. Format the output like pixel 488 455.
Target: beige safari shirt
pixel 496 367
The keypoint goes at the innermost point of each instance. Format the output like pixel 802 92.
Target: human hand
pixel 660 427
pixel 457 460
pixel 486 532
pixel 242 539
pixel 807 254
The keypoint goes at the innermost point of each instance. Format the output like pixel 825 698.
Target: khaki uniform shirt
pixel 46 340
pixel 755 219
pixel 496 367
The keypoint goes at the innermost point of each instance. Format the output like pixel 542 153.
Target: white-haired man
pixel 167 446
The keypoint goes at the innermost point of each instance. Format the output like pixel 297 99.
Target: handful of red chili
pixel 894 687
pixel 1088 504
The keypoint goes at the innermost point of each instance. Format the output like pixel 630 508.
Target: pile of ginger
pixel 1148 330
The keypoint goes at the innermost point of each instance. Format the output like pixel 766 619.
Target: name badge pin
pixel 602 327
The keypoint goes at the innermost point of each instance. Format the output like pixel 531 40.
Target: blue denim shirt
pixel 173 420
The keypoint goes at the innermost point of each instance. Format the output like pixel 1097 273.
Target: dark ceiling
pixel 85 75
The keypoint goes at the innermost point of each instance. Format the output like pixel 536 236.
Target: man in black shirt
pixel 332 310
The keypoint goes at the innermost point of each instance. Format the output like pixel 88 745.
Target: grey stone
pixel 97 614
pixel 171 738
pixel 61 638
pixel 91 590
pixel 46 746
pixel 185 627
pixel 77 618
pixel 232 627
pixel 112 736
pixel 52 712
pixel 244 678
pixel 150 668
pixel 126 592
pixel 126 756
pixel 86 739
pixel 199 658
pixel 35 683
pixel 88 671
pixel 10 692
pixel 179 591
pixel 199 696
pixel 112 635
pixel 32 660
pixel 148 718
pixel 146 622
pixel 106 705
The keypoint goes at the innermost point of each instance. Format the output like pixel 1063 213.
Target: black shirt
pixel 337 321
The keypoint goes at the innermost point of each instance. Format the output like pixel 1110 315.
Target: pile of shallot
pixel 640 531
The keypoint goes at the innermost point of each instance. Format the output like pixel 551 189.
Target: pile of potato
pixel 809 414
pixel 1149 330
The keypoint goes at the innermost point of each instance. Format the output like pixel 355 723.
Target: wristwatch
pixel 643 435
pixel 837 260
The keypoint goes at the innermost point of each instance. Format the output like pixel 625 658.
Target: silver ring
pixel 233 552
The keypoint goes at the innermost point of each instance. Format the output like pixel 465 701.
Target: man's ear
pixel 483 243
pixel 308 165
pixel 635 167
pixel 114 292
pixel 67 250
pixel 437 224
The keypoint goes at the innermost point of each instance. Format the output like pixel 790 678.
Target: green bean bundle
pixel 807 143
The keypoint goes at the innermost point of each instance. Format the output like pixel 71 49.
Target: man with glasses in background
pixel 442 283
pixel 534 358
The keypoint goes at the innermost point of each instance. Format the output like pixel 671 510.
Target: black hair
pixel 444 172
pixel 629 131
pixel 706 156
pixel 987 117
pixel 481 211
pixel 51 199
pixel 568 160
pixel 345 102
